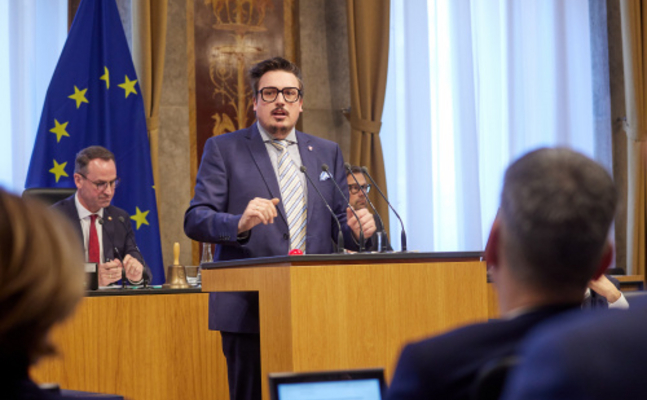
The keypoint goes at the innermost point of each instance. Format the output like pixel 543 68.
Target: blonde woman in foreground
pixel 41 282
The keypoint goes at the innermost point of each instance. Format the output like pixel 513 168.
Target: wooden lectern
pixel 323 312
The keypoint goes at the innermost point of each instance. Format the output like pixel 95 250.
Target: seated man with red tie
pixel 107 234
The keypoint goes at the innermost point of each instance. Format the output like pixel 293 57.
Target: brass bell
pixel 176 273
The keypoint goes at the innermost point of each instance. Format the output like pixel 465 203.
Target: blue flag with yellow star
pixel 94 99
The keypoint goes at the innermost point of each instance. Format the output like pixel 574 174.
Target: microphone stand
pixel 349 170
pixel 325 168
pixel 340 234
pixel 403 234
pixel 116 251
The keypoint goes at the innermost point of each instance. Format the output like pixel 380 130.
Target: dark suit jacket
pixel 236 168
pixel 584 356
pixel 446 366
pixel 15 383
pixel 115 233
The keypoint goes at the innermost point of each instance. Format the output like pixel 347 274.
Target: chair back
pixel 48 195
pixel 491 378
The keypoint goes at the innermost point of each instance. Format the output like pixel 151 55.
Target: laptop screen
pixel 365 384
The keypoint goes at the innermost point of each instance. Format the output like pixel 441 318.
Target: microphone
pixel 349 170
pixel 325 168
pixel 340 234
pixel 129 232
pixel 116 251
pixel 403 234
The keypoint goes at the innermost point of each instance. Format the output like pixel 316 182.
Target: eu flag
pixel 94 99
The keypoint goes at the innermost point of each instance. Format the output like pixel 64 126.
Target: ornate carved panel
pixel 229 36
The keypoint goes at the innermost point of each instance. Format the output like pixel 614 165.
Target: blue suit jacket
pixel 588 356
pixel 115 233
pixel 446 366
pixel 235 169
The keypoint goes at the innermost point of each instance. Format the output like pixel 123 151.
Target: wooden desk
pixel 140 345
pixel 630 283
pixel 353 311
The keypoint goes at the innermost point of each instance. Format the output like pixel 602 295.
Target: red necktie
pixel 93 245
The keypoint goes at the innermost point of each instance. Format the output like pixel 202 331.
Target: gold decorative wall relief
pixel 228 37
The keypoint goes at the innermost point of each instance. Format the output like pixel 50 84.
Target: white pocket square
pixel 324 176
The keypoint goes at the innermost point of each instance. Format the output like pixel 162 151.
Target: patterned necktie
pixel 93 241
pixel 294 201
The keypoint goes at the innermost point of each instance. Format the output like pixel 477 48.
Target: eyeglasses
pixel 101 186
pixel 353 189
pixel 290 94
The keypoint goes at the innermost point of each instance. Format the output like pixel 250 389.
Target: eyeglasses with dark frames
pixel 290 94
pixel 354 189
pixel 101 185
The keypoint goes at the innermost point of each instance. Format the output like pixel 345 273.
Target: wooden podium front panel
pixel 354 316
pixel 322 317
pixel 143 347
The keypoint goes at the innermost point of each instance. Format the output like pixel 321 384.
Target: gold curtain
pixel 149 47
pixel 368 36
pixel 634 46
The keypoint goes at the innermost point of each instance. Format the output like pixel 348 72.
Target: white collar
pixel 292 136
pixel 82 211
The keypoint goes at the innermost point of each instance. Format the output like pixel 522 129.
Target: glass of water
pixel 194 275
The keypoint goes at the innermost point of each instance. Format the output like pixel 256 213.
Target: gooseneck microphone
pixel 116 251
pixel 145 276
pixel 325 168
pixel 349 171
pixel 403 234
pixel 340 234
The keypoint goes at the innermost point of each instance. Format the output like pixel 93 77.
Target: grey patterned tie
pixel 294 201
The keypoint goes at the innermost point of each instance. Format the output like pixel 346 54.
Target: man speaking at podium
pixel 253 199
pixel 107 235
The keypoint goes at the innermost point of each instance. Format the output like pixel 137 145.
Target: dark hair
pixel 273 64
pixel 557 206
pixel 88 154
pixel 355 170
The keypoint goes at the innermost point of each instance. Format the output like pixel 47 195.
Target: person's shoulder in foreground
pixel 549 238
pixel 445 366
pixel 584 356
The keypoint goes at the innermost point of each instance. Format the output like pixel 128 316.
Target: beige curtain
pixel 634 46
pixel 368 36
pixel 149 47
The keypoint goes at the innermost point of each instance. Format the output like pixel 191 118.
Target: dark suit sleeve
pixel 205 219
pixel 550 370
pixel 124 237
pixel 407 382
pixel 130 246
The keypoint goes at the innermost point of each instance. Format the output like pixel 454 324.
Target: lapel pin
pixel 310 148
pixel 109 218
